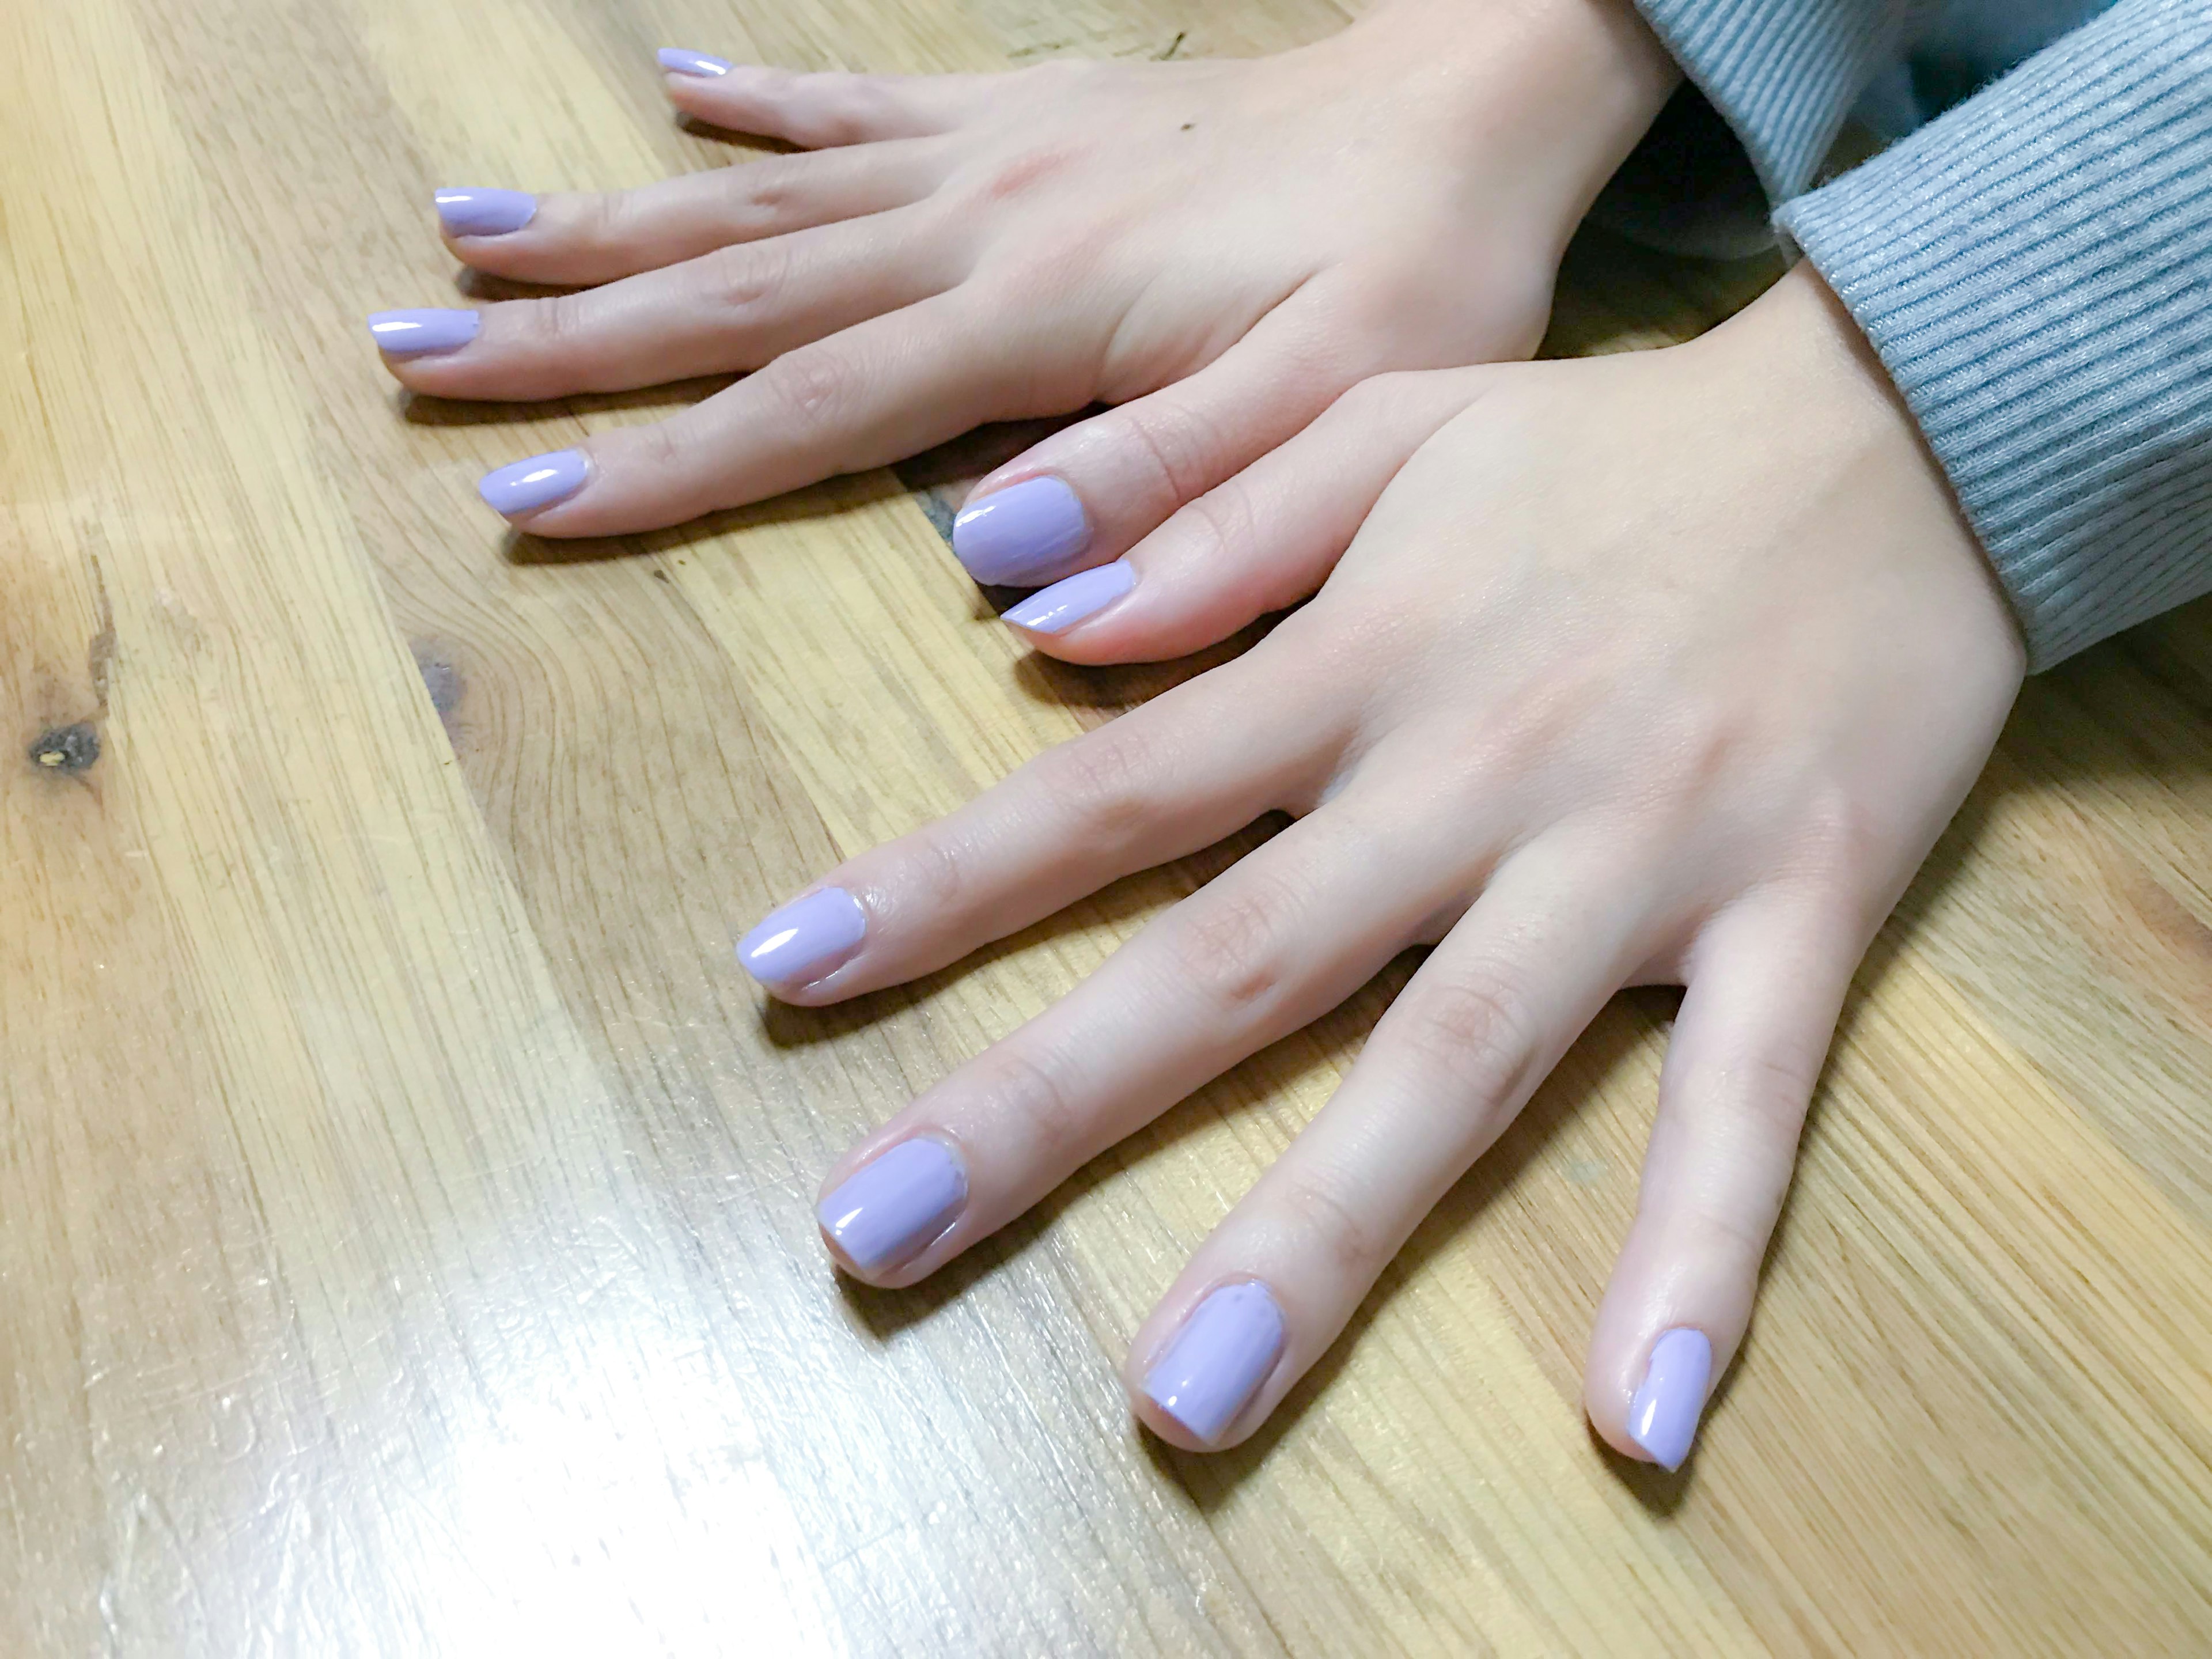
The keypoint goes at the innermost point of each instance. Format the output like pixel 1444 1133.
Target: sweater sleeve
pixel 1784 74
pixel 2035 270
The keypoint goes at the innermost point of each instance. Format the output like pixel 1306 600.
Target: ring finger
pixel 735 308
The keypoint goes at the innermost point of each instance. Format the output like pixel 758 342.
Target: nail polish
pixel 1022 535
pixel 1054 609
pixel 1219 1359
pixel 419 332
pixel 806 939
pixel 525 486
pixel 891 1209
pixel 481 210
pixel 1662 1418
pixel 679 60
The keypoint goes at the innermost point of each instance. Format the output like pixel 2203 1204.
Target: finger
pixel 1088 493
pixel 1451 1064
pixel 870 395
pixel 574 238
pixel 1265 539
pixel 1270 946
pixel 1164 779
pixel 735 308
pixel 817 112
pixel 1767 981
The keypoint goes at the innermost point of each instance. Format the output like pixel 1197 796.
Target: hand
pixel 1219 248
pixel 1664 668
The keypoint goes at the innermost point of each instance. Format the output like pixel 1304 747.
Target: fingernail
pixel 415 333
pixel 806 939
pixel 482 211
pixel 1219 1359
pixel 891 1210
pixel 1662 1418
pixel 1019 536
pixel 1063 605
pixel 524 486
pixel 678 60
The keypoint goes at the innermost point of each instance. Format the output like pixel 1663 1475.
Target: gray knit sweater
pixel 2034 268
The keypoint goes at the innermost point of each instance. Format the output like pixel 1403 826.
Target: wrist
pixel 1817 409
pixel 1561 89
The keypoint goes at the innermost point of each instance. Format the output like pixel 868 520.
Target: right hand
pixel 1219 248
pixel 1660 668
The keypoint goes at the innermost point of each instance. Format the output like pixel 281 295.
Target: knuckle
pixel 604 220
pixel 1476 1030
pixel 558 322
pixel 747 278
pixel 1775 1089
pixel 1181 448
pixel 765 189
pixel 1840 858
pixel 1023 1090
pixel 1231 945
pixel 1106 781
pixel 1333 1224
pixel 1222 523
pixel 933 874
pixel 813 389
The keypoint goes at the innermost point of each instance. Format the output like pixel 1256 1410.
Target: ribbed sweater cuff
pixel 1784 74
pixel 2035 270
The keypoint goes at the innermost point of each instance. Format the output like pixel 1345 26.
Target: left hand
pixel 1217 247
pixel 1660 668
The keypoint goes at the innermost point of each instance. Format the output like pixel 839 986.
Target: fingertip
pixel 1199 1390
pixel 473 210
pixel 1023 534
pixel 523 489
pixel 1667 1407
pixel 801 943
pixel 422 331
pixel 881 1220
pixel 686 66
pixel 1052 612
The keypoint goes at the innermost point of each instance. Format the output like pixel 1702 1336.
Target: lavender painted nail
pixel 1219 1359
pixel 890 1211
pixel 679 60
pixel 1063 605
pixel 524 486
pixel 1021 535
pixel 417 333
pixel 481 210
pixel 1662 1418
pixel 804 939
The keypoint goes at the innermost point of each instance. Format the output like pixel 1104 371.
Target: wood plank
pixel 405 1201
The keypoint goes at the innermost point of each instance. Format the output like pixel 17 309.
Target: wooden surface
pixel 405 1231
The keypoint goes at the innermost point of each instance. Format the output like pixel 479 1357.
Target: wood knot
pixel 67 748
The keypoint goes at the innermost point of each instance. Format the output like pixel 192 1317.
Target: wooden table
pixel 405 1241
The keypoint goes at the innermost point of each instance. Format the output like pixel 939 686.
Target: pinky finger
pixel 1767 981
pixel 1263 540
pixel 818 112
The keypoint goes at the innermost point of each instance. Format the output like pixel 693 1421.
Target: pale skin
pixel 1660 669
pixel 1219 249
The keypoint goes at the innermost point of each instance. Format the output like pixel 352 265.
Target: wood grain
pixel 405 1231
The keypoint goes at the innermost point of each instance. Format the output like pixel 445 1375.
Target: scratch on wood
pixel 101 651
